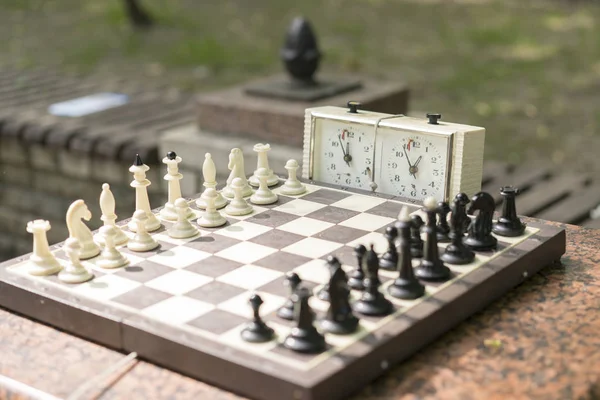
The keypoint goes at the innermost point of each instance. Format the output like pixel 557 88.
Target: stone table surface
pixel 539 341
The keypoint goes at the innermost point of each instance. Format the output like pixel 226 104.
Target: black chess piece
pixel 292 280
pixel 443 229
pixel 480 236
pixel 300 53
pixel 416 243
pixel 323 293
pixel 372 301
pixel 406 286
pixel 304 337
pixel 432 268
pixel 339 318
pixel 456 252
pixel 509 224
pixel 389 259
pixel 357 275
pixel 257 331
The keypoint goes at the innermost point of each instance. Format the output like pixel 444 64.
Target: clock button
pixel 433 118
pixel 353 107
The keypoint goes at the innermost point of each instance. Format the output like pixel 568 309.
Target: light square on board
pixel 163 246
pixel 249 276
pixel 164 237
pixel 377 239
pixel 305 226
pixel 106 287
pixel 243 230
pixel 367 222
pixel 256 210
pixel 312 247
pixel 239 304
pixel 314 271
pixel 299 207
pixel 179 257
pixel 177 310
pixel 358 202
pixel 178 282
pixel 246 252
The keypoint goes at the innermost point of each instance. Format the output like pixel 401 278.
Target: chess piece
pixel 142 202
pixel 236 166
pixel 263 162
pixel 431 268
pixel 77 212
pixel 173 177
pixel 41 262
pixel 357 275
pixel 257 331
pixel 331 264
pixel 110 257
pixel 339 318
pixel 292 186
pixel 509 224
pixel 416 243
pixel 406 286
pixel 183 228
pixel 372 301
pixel 480 236
pixel 142 240
pixel 389 259
pixel 74 272
pixel 292 280
pixel 456 252
pixel 304 337
pixel 211 218
pixel 263 194
pixel 107 206
pixel 209 173
pixel 238 206
pixel 443 229
pixel 300 53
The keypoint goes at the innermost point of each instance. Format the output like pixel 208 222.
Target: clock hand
pixel 347 156
pixel 414 169
pixel 407 160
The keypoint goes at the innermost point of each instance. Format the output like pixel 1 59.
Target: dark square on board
pixel 142 297
pixel 143 271
pixel 217 321
pixel 332 214
pixel 212 243
pixel 341 234
pixel 213 266
pixel 215 292
pixel 272 218
pixel 325 196
pixel 282 261
pixel 277 239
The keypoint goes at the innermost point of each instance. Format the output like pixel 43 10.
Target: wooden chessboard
pixel 183 305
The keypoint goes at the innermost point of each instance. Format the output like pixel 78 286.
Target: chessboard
pixel 183 305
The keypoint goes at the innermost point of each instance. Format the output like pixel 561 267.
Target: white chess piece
pixel 263 162
pixel 211 217
pixel 107 206
pixel 173 177
pixel 142 202
pixel 74 272
pixel 238 206
pixel 263 194
pixel 236 166
pixel 183 228
pixel 292 185
pixel 142 240
pixel 110 257
pixel 209 173
pixel 41 262
pixel 77 229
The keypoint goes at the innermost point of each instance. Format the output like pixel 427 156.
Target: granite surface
pixel 540 341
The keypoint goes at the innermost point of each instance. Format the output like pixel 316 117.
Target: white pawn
pixel 183 228
pixel 142 240
pixel 107 206
pixel 74 272
pixel 292 185
pixel 211 217
pixel 209 173
pixel 110 257
pixel 238 206
pixel 263 162
pixel 42 262
pixel 263 194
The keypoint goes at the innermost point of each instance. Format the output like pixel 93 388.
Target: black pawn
pixel 459 212
pixel 323 294
pixel 257 331
pixel 480 236
pixel 456 252
pixel 406 286
pixel 416 243
pixel 357 275
pixel 509 224
pixel 443 229
pixel 339 318
pixel 389 259
pixel 304 337
pixel 372 301
pixel 292 280
pixel 432 268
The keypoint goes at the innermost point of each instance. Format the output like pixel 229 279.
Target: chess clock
pixel 395 155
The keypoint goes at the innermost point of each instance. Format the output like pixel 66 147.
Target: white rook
pixel 263 162
pixel 42 261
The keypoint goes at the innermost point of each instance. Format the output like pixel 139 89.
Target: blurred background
pixel 529 72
